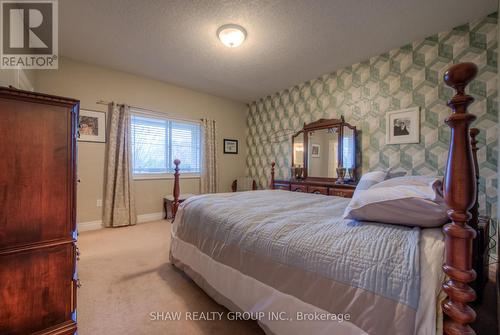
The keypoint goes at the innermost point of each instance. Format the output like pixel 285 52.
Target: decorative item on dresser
pixel 327 150
pixel 37 213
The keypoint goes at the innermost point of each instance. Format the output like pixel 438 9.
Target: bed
pixel 289 260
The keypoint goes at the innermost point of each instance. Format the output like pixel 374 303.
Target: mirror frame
pixel 325 124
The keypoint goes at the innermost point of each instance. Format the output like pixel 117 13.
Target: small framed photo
pixel 315 150
pixel 92 126
pixel 230 146
pixel 403 126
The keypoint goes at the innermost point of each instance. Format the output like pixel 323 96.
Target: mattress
pixel 291 260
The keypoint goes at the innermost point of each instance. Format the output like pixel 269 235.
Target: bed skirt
pixel 277 313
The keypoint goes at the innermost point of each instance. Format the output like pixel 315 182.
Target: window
pixel 347 147
pixel 156 142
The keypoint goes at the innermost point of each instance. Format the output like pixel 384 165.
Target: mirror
pixel 326 150
pixel 298 149
pixel 348 148
pixel 323 152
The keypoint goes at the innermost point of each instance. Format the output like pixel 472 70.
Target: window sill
pixel 166 176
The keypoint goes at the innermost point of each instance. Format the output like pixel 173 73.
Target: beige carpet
pixel 126 275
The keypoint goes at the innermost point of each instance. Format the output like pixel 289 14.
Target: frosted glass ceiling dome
pixel 231 35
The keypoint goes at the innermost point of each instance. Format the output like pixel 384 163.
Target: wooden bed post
pixel 480 243
pixel 176 191
pixel 460 194
pixel 474 222
pixel 272 175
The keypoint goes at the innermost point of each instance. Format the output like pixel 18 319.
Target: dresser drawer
pixel 317 190
pixel 298 188
pixel 341 192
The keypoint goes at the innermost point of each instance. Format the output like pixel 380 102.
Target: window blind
pixel 157 142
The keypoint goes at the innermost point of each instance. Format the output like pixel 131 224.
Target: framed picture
pixel 403 126
pixel 315 150
pixel 92 126
pixel 230 146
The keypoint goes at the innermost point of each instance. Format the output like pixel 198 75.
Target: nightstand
pixel 168 201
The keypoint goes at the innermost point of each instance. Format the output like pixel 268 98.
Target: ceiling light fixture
pixel 231 35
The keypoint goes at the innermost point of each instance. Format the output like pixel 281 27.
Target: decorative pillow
pixel 395 174
pixel 410 201
pixel 420 181
pixel 368 180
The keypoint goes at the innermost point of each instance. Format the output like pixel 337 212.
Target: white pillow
pixel 368 180
pixel 395 174
pixel 410 201
pixel 423 181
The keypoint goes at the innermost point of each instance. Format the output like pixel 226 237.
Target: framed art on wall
pixel 315 150
pixel 403 126
pixel 92 126
pixel 230 146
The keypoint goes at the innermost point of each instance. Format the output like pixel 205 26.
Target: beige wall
pixel 90 83
pixel 21 79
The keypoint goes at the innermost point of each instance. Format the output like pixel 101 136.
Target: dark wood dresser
pixel 37 213
pixel 318 187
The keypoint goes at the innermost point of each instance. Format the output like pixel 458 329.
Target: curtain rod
pixel 150 112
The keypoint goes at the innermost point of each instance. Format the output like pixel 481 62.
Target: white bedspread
pixel 203 222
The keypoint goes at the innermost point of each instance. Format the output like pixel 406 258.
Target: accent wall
pixel 364 92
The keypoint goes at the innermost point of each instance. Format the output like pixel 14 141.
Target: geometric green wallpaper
pixel 363 93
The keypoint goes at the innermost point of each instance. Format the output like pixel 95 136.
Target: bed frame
pixel 460 193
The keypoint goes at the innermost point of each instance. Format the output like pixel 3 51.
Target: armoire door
pixel 37 213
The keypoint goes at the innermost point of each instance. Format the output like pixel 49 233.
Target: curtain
pixel 119 205
pixel 209 173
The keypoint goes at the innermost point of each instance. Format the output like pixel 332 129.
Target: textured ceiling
pixel 289 41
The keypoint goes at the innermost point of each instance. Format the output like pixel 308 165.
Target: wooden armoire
pixel 38 280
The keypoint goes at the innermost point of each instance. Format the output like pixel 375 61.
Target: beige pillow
pixel 410 201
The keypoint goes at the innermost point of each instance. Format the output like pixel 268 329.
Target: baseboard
pixel 150 217
pixel 95 225
pixel 90 225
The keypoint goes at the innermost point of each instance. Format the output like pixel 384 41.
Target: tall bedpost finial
pixel 176 191
pixel 272 175
pixel 459 193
